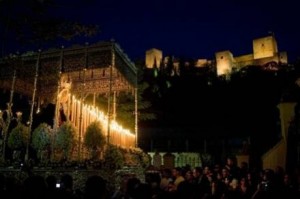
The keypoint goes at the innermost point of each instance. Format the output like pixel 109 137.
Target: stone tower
pixel 224 62
pixel 283 58
pixel 153 55
pixel 264 47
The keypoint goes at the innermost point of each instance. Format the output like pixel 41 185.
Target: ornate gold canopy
pixel 84 69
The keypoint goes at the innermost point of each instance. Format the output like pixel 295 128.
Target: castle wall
pixel 201 63
pixel 263 61
pixel 244 60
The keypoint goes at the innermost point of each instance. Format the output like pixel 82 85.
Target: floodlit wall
pixel 201 63
pixel 277 155
pixel 244 60
pixel 266 60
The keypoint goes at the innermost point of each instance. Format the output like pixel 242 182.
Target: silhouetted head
pixel 51 182
pixel 95 187
pixel 67 182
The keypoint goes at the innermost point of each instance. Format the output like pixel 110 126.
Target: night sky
pixel 189 28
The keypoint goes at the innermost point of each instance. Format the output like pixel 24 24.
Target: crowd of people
pixel 216 182
pixel 38 187
pixel 210 182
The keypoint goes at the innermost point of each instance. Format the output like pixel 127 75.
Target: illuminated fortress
pixel 265 51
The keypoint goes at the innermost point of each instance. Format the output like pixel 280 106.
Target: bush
pixel 18 138
pixel 94 139
pixel 65 138
pixel 41 138
pixel 113 158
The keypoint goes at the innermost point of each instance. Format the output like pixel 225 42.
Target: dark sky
pixel 196 29
pixel 188 28
pixel 192 28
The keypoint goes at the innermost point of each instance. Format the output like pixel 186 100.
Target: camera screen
pixel 57 185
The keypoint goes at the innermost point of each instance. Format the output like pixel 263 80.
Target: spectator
pixel 95 188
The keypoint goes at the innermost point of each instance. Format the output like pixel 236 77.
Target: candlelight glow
pixel 119 135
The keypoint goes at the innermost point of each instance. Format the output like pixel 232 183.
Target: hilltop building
pixel 265 51
pixel 153 57
pixel 266 55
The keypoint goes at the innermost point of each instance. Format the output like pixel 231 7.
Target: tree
pixel 41 138
pixel 94 139
pixel 170 66
pixel 37 24
pixel 126 105
pixel 65 138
